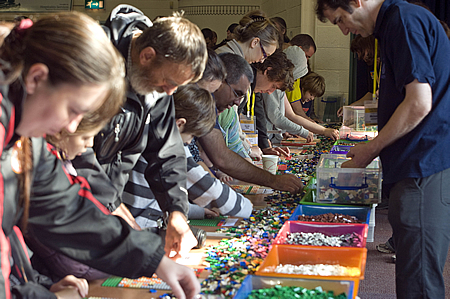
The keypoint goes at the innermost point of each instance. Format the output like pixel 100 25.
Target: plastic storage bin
pixel 340 149
pixel 349 134
pixel 353 117
pixel 329 229
pixel 347 185
pixel 300 255
pixel 310 196
pixel 328 105
pixel 253 282
pixel 353 125
pixel 362 213
pixel 311 184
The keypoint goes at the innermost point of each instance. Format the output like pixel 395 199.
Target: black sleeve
pixel 31 290
pixel 65 216
pixel 166 169
pixel 261 122
pixel 117 148
pixel 25 281
pixel 104 191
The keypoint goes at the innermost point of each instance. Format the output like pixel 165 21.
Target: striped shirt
pixel 204 191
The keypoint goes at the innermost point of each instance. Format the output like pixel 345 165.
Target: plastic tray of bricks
pixel 350 134
pixel 361 213
pixel 310 195
pixel 261 283
pixel 313 262
pixel 322 234
pixel 310 199
pixel 340 149
pixel 347 185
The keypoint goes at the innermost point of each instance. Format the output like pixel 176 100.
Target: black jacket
pixel 63 215
pixel 144 127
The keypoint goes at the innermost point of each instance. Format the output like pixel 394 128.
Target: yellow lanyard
pixel 250 112
pixel 375 71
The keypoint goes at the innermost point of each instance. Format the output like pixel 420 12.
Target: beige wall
pixel 222 13
pixel 331 59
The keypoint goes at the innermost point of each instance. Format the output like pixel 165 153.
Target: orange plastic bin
pixel 300 255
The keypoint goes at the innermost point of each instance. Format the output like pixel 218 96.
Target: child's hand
pixel 70 287
pixel 223 177
pixel 287 135
pixel 210 213
pixel 310 137
pixel 332 133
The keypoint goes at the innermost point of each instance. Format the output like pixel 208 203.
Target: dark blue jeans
pixel 419 213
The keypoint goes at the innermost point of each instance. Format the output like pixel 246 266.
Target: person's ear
pixel 180 122
pixel 356 3
pixel 37 74
pixel 267 70
pixel 254 42
pixel 147 55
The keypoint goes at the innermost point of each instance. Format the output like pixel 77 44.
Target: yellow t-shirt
pixel 296 93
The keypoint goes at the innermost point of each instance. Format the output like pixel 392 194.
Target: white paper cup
pixel 270 163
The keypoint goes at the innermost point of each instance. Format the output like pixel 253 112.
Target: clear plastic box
pixel 253 282
pixel 353 125
pixel 347 185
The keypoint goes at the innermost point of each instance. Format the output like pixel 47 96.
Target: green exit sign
pixel 93 4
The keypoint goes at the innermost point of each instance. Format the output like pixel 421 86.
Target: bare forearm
pixel 301 121
pixel 360 102
pixel 298 110
pixel 309 125
pixel 297 107
pixel 241 169
pixel 231 163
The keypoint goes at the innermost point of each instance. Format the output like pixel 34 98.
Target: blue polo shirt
pixel 307 107
pixel 413 45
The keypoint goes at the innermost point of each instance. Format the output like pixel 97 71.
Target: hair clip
pixel 257 18
pixel 19 30
pixel 25 24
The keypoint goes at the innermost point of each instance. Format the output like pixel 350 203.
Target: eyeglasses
pixel 263 51
pixel 235 93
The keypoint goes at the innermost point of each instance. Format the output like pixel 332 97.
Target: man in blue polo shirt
pixel 414 132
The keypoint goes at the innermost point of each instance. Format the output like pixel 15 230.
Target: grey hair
pixel 236 66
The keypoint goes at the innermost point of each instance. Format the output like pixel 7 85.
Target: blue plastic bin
pixel 253 282
pixel 362 213
pixel 340 149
